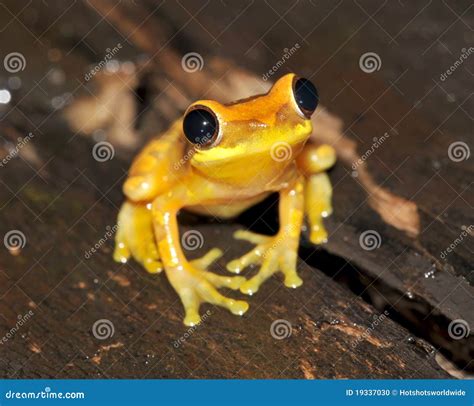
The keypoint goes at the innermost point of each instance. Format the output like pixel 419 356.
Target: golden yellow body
pixel 262 148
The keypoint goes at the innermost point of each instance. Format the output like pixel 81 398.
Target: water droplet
pixel 436 164
pixel 56 76
pixel 57 102
pixel 430 274
pixel 14 82
pixel 112 66
pixel 5 96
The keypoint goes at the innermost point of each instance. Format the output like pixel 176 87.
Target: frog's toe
pixel 153 265
pixel 121 252
pixel 196 287
pixel 205 261
pixel 249 236
pixel 318 234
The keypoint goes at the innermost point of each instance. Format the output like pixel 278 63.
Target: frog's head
pixel 251 138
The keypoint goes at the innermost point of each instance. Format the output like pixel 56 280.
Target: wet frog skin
pixel 219 160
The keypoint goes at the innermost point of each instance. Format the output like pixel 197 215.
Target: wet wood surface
pixel 360 314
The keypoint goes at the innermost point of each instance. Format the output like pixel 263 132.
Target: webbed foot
pixel 195 285
pixel 274 253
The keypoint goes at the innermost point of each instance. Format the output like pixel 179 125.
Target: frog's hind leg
pixel 313 162
pixel 135 236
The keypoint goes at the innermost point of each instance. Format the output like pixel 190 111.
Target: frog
pixel 219 160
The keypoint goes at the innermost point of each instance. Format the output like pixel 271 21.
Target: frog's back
pixel 158 166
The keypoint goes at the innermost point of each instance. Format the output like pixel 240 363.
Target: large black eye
pixel 200 126
pixel 306 96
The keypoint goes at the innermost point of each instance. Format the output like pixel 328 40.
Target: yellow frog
pixel 219 160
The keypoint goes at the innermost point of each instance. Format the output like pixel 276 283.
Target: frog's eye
pixel 200 126
pixel 306 96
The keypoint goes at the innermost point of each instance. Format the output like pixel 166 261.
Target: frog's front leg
pixel 191 281
pixel 279 252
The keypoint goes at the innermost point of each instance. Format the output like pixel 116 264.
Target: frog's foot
pixel 318 234
pixel 135 237
pixel 276 253
pixel 195 286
